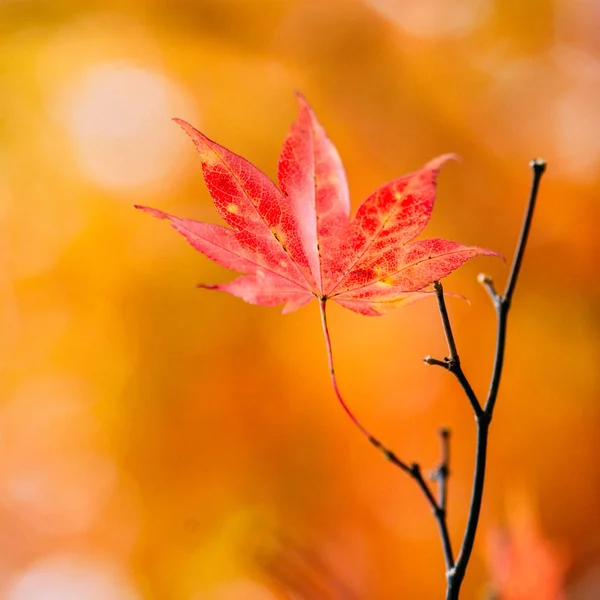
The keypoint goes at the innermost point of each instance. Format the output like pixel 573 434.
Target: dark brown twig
pixel 452 361
pixel 442 473
pixel 502 305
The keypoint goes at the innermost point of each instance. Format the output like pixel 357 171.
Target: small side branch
pixel 439 514
pixel 488 283
pixel 452 361
pixel 442 473
pixel 438 509
pixel 439 294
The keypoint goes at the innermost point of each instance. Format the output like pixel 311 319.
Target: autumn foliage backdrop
pixel 172 443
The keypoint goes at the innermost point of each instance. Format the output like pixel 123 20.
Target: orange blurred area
pixel 163 442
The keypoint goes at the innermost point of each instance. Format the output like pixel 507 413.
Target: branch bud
pixel 538 164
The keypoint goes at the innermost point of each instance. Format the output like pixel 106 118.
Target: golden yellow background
pixel 167 443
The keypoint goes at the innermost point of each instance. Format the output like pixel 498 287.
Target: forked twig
pixel 483 416
pixel 455 571
pixel 452 361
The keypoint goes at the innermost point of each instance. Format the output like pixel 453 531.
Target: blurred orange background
pixel 163 442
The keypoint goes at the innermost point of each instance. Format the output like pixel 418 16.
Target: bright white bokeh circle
pixel 66 577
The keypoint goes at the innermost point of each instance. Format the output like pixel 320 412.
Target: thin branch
pixel 439 514
pixel 488 283
pixel 389 455
pixel 442 473
pixel 452 362
pixel 439 294
pixel 429 360
pixel 466 386
pixel 501 323
pixel 413 470
pixel 538 167
pixel 458 573
pixel 502 304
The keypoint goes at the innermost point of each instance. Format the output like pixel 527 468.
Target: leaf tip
pixel 303 103
pixel 439 161
pixel 305 109
pixel 500 256
pixel 204 145
pixel 300 96
pixel 452 156
pixel 159 214
pixel 493 253
pixel 192 132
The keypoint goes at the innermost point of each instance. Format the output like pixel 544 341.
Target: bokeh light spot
pixel 577 126
pixel 434 18
pixel 72 578
pixel 52 477
pixel 119 118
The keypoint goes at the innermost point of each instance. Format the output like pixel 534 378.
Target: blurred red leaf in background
pixel 524 564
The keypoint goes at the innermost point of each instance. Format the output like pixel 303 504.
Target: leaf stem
pixel 336 389
pixel 413 470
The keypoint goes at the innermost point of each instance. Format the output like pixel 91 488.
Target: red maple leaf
pixel 297 242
